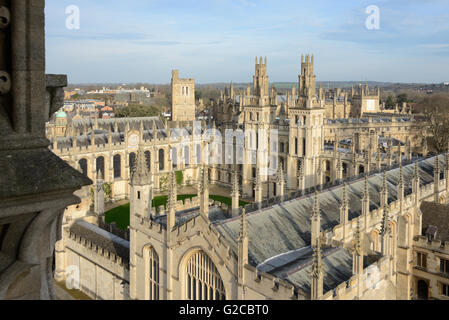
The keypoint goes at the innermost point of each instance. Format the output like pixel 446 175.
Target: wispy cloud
pixel 216 40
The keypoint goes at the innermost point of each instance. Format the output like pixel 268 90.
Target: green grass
pixel 120 215
pixel 179 177
pixel 77 294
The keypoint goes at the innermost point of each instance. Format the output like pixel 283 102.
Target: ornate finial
pixel 357 248
pixel 243 225
pixel 141 130
pixel 416 170
pixel 401 176
pixel 384 181
pixel 344 200
pixel 100 175
pixel 235 184
pixel 140 174
pixel 317 260
pixel 366 188
pixel 316 206
pixel 201 186
pixel 172 192
pixel 437 166
pixel 385 227
pixel 280 176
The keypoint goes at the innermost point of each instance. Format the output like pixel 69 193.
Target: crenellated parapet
pixel 258 285
pixel 74 241
pixel 359 286
pixel 434 245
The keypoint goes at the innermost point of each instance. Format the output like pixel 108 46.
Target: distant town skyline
pixel 216 41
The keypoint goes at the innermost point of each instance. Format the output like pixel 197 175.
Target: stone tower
pixel 307 80
pixel 306 129
pixel 141 187
pixel 183 106
pixel 260 82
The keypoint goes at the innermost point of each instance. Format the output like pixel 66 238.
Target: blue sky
pixel 217 40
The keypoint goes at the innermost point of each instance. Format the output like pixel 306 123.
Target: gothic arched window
pixel 153 275
pixel 99 163
pixel 132 161
pixel 203 282
pixel 186 156
pixel 148 158
pixel 117 166
pixel 83 166
pixel 161 159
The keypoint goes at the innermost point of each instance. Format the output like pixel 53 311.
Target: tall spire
pixel 344 210
pixel 385 232
pixel 243 226
pixel 204 192
pixel 280 183
pixel 315 219
pixel 357 246
pixel 140 174
pixel 172 192
pixel 317 271
pixel 365 202
pixel 415 183
pixel 258 189
pixel 436 180
pixel 235 193
pixel 384 189
pixel 243 241
pixel 385 225
pixel 400 190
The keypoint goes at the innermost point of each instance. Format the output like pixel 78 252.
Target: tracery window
pixel 203 280
pixel 153 266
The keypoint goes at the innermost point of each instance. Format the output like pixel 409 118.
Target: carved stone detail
pixel 5 82
pixel 5 17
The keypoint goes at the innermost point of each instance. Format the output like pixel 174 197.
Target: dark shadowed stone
pixel 36 171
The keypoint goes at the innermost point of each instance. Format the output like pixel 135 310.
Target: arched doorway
pixel 423 290
pixel 203 282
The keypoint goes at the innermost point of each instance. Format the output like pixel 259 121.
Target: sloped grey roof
pixel 102 238
pixel 215 213
pixel 337 268
pixel 285 227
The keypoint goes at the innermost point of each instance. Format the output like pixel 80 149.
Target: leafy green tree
pixel 389 102
pixel 133 111
pixel 401 98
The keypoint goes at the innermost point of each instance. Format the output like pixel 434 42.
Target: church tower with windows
pixel 306 129
pixel 183 106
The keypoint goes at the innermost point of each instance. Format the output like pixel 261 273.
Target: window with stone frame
pixel 444 289
pixel 444 266
pixel 153 266
pixel 421 260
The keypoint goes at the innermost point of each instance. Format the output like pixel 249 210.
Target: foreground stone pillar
pixel 36 186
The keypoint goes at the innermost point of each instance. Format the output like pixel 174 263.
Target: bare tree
pixel 436 109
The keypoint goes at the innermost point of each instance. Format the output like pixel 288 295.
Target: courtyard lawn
pixel 120 215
